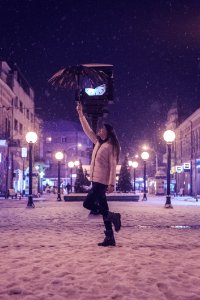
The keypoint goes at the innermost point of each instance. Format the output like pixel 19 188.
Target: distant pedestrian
pixel 181 191
pixel 102 175
pixel 68 186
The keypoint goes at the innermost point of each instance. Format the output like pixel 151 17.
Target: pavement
pixel 51 252
pixel 151 199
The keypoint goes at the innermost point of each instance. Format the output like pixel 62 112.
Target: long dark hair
pixel 113 139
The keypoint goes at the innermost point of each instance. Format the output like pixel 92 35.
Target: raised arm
pixel 85 125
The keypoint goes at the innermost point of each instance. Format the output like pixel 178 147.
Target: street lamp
pixel 71 165
pixel 76 163
pixel 169 136
pixel 24 156
pixel 31 138
pixel 59 156
pixel 145 147
pixel 40 175
pixel 145 156
pixel 134 165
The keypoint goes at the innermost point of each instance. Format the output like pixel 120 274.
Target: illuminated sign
pixel 198 163
pixel 186 166
pixel 179 169
pixel 173 170
pixel 24 152
pixel 3 143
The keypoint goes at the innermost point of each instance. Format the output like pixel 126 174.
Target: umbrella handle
pixel 77 96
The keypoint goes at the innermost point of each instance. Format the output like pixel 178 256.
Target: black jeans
pixel 96 200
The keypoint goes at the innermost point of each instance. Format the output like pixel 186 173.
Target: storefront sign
pixel 24 152
pixel 3 143
pixel 187 167
pixel 179 169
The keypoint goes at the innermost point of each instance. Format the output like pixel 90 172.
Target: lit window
pixel 21 106
pixel 48 154
pixel 20 128
pixel 49 139
pixel 63 139
pixel 16 102
pixel 16 125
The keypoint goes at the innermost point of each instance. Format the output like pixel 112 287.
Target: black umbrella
pixel 79 77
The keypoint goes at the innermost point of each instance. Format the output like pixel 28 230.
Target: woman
pixel 102 175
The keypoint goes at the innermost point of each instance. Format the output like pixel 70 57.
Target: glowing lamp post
pixel 24 156
pixel 134 165
pixel 145 156
pixel 169 136
pixel 59 157
pixel 31 138
pixel 145 147
pixel 76 163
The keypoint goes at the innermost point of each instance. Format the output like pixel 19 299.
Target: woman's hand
pixel 110 189
pixel 79 109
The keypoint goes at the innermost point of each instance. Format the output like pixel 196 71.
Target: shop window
pixel 20 128
pixel 49 154
pixel 15 125
pixel 64 139
pixel 21 106
pixel 48 139
pixel 16 102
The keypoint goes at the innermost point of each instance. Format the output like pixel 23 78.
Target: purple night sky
pixel 153 45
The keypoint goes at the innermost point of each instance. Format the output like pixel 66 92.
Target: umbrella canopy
pixel 80 76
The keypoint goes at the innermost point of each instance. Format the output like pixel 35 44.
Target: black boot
pixel 109 239
pixel 115 218
pixel 95 212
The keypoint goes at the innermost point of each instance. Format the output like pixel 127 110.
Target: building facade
pixel 17 117
pixel 187 155
pixel 69 138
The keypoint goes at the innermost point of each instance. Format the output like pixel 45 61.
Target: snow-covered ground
pixel 51 252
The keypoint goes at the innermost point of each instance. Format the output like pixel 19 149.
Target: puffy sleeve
pixel 87 129
pixel 113 166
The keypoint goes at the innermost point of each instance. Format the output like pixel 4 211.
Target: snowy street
pixel 51 252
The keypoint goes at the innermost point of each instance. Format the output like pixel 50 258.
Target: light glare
pixel 169 136
pixel 70 164
pixel 59 155
pixel 134 164
pixel 145 155
pixel 31 137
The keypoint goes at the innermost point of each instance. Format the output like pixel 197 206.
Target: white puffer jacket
pixel 104 161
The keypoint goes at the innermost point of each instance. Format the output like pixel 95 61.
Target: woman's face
pixel 102 133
